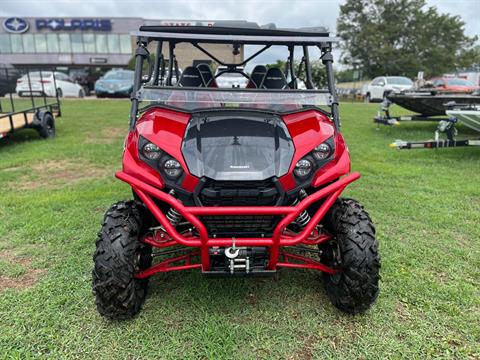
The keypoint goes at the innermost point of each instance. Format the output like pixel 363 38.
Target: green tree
pixel 319 75
pixel 131 63
pixel 402 37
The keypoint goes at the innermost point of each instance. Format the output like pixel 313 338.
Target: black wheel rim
pixel 332 258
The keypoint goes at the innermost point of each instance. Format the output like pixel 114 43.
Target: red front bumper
pixel 203 242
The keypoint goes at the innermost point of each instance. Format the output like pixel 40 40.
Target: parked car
pixel 230 79
pixel 8 79
pixel 163 80
pixel 115 83
pixel 378 89
pixel 43 83
pixel 85 78
pixel 451 84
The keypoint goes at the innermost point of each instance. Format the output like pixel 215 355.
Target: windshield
pixel 399 80
pixel 119 75
pixel 197 98
pixel 459 82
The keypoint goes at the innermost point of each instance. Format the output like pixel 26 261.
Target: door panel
pixel 378 89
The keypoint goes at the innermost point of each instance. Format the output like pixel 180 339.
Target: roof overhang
pixel 225 35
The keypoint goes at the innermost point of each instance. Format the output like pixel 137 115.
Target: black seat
pixel 275 79
pixel 207 75
pixel 191 77
pixel 256 76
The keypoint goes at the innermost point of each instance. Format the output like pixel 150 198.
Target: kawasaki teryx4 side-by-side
pixel 234 181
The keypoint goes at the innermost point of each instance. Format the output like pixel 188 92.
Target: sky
pixel 284 13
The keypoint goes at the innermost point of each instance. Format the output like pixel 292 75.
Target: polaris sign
pixel 15 25
pixel 74 24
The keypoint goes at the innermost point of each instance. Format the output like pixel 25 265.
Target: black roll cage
pixel 236 37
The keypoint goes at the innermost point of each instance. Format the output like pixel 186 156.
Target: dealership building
pixel 89 42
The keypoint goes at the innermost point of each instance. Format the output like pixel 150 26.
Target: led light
pixel 322 151
pixel 303 168
pixel 172 168
pixel 151 151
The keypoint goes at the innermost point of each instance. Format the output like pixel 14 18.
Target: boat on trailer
pixel 430 104
pixel 467 114
pixel 427 105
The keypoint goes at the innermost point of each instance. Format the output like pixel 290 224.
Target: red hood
pixel 166 128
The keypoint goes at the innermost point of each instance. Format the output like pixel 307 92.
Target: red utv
pixel 234 181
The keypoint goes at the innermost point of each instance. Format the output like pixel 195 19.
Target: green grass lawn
pixel 425 204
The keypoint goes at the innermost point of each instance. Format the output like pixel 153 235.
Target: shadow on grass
pixel 233 295
pixel 19 137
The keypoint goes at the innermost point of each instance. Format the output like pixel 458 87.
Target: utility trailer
pixel 34 110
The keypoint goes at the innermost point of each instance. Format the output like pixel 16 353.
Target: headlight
pixel 172 168
pixel 314 160
pixel 167 165
pixel 151 151
pixel 322 151
pixel 303 168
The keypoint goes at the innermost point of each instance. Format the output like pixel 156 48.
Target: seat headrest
pixel 257 75
pixel 275 79
pixel 191 77
pixel 206 73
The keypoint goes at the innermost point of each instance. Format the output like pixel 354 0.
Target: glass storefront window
pixel 28 44
pixel 64 42
pixel 40 43
pixel 16 42
pixel 101 41
pixel 77 43
pixel 89 43
pixel 5 47
pixel 113 44
pixel 125 44
pixel 52 43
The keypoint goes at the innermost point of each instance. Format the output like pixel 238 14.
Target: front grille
pixel 242 226
pixel 239 193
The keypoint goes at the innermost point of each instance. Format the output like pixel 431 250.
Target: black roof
pixel 229 30
pixel 229 34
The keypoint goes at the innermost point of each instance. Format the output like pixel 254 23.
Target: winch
pixel 238 260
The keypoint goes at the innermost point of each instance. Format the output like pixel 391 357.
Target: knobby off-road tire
pixel 355 250
pixel 119 255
